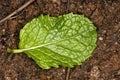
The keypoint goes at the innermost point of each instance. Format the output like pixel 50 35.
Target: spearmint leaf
pixel 66 40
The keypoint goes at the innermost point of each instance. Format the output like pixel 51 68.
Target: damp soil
pixel 104 64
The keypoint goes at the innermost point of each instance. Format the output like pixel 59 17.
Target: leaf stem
pixel 15 50
pixel 26 49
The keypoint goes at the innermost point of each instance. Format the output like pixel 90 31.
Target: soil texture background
pixel 105 61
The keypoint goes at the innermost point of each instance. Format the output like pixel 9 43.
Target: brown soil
pixel 103 65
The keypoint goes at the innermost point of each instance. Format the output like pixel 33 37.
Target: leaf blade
pixel 67 40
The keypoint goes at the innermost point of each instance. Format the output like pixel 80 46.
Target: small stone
pixel 116 43
pixel 119 72
pixel 3 30
pixel 104 44
pixel 3 47
pixel 104 31
pixel 100 38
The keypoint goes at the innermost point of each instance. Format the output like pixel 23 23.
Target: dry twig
pixel 67 74
pixel 16 11
pixel 68 4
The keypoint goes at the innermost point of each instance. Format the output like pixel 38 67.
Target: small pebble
pixel 100 38
pixel 116 43
pixel 119 72
pixel 3 30
pixel 104 44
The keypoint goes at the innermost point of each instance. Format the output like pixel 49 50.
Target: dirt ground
pixel 105 61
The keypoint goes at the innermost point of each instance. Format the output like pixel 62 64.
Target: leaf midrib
pixel 35 47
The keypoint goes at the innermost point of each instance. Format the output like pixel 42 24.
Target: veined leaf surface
pixel 66 40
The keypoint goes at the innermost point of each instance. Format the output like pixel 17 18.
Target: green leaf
pixel 66 40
